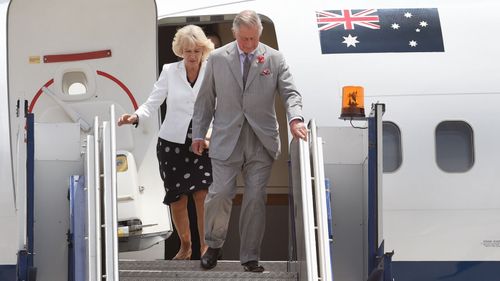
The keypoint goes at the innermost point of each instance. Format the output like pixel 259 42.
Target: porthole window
pixel 392 147
pixel 74 83
pixel 454 146
pixel 77 88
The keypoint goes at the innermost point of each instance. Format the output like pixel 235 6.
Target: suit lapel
pixel 255 67
pixel 199 80
pixel 181 71
pixel 233 58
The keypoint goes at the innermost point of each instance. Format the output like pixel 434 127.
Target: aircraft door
pixel 71 60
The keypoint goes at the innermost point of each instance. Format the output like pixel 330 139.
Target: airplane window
pixel 77 89
pixel 454 146
pixel 391 146
pixel 74 83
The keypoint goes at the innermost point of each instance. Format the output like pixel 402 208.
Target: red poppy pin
pixel 260 59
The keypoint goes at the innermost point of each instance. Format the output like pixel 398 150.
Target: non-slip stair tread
pixel 205 279
pixel 194 265
pixel 207 274
pixel 163 270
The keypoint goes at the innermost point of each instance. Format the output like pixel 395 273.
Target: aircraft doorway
pixel 275 244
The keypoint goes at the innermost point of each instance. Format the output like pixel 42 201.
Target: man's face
pixel 247 38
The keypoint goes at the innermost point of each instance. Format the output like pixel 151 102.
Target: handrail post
pixel 309 206
pixel 307 203
pixel 324 256
pixel 110 210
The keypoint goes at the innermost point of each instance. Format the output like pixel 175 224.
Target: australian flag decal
pixel 380 31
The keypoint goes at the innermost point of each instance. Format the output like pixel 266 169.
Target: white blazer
pixel 173 86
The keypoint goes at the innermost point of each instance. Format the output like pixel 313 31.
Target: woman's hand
pixel 128 119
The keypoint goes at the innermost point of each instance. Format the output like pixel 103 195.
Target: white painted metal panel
pixel 344 152
pixel 57 141
pixel 347 173
pixel 52 217
pixel 9 244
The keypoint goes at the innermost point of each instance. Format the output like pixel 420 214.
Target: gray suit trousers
pixel 252 159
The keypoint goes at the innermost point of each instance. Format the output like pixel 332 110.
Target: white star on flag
pixel 350 40
pixel 395 26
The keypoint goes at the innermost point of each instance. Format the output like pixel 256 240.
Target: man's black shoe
pixel 253 266
pixel 209 259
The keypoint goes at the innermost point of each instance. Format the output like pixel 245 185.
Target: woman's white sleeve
pixel 157 96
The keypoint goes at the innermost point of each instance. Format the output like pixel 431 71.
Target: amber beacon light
pixel 353 102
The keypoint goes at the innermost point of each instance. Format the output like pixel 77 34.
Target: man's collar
pixel 240 52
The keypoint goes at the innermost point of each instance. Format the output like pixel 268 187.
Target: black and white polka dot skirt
pixel 181 170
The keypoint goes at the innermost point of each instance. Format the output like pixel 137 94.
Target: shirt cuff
pixel 136 123
pixel 295 118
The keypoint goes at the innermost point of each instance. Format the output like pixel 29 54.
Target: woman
pixel 182 171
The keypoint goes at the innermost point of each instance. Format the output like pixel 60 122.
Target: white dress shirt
pixel 173 86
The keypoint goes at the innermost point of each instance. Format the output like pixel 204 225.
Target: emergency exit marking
pixel 491 243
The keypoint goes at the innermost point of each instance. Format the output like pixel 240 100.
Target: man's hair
pixel 247 18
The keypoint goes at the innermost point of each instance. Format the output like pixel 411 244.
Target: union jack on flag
pixel 329 19
pixel 380 30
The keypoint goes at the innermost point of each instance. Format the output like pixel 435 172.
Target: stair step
pixel 191 270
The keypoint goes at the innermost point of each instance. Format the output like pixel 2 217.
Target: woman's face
pixel 192 55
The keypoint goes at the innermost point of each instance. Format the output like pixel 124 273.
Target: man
pixel 238 92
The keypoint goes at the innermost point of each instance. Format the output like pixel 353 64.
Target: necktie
pixel 246 68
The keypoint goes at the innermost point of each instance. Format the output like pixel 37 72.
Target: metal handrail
pixel 308 213
pixel 94 211
pixel 324 257
pixel 101 178
pixel 110 210
pixel 114 192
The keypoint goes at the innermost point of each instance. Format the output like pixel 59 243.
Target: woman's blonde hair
pixel 191 36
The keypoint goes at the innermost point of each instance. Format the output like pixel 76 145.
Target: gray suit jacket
pixel 223 98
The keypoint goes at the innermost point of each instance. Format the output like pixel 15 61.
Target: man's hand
pixel 198 146
pixel 127 119
pixel 298 129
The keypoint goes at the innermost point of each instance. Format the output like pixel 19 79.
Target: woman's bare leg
pixel 199 200
pixel 181 221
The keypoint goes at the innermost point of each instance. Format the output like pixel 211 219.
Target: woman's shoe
pixel 182 256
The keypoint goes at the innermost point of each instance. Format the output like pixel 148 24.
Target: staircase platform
pixel 191 271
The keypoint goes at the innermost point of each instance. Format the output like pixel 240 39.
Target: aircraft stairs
pixel 94 251
pixel 191 270
pixel 309 259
